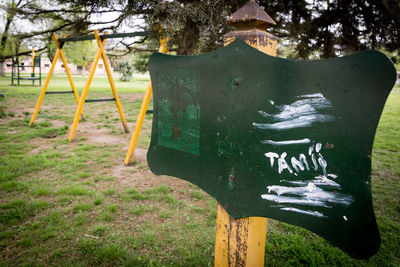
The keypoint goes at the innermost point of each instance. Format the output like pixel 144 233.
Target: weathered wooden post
pixel 241 242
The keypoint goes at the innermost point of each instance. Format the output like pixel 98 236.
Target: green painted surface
pixel 179 111
pixel 275 138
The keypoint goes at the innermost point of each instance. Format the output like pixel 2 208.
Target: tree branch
pixel 25 53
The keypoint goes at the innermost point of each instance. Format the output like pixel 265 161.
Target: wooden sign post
pixel 241 242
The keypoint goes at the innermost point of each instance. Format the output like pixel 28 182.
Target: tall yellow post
pixel 110 79
pixel 85 91
pixel 142 112
pixel 33 60
pixel 241 242
pixel 64 60
pixel 59 53
pixel 46 84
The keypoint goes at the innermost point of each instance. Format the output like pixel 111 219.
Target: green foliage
pixel 99 230
pixel 24 243
pixel 109 192
pixel 16 165
pixel 13 186
pixel 393 55
pixel 40 190
pixel 140 61
pixel 135 194
pixel 332 28
pixel 13 212
pixel 141 209
pixel 316 28
pixel 74 190
pixel 98 201
pixel 196 194
pixel 80 53
pixel 31 23
pixel 81 207
pixel 80 219
pixel 126 71
pixel 52 132
pixel 106 216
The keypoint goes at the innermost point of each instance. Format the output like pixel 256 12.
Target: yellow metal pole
pixel 241 242
pixel 110 79
pixel 46 84
pixel 64 60
pixel 85 91
pixel 142 113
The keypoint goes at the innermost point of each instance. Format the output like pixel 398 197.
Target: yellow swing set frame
pixel 101 40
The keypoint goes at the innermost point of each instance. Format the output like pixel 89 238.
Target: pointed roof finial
pixel 250 15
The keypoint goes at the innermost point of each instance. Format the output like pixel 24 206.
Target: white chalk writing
pixel 300 163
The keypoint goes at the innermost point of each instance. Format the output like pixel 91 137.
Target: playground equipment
pixel 100 39
pixel 17 75
pixel 143 110
pixel 59 53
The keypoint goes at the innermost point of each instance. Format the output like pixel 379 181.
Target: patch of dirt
pixel 99 136
pixel 41 143
pixel 105 139
pixel 142 178
pixel 121 171
pixel 132 97
pixel 140 154
pixel 137 179
pixel 38 149
pixel 32 108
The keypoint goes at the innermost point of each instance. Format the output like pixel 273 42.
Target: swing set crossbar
pixel 26 78
pixel 59 92
pixel 104 36
pixel 99 100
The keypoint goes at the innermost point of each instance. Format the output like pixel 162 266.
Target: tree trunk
pixel 188 39
pixel 2 69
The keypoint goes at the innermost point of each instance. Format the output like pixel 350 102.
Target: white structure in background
pixel 59 69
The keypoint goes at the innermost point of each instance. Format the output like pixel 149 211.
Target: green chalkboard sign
pixel 270 137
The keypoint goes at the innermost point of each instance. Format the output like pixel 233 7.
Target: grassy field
pixel 75 204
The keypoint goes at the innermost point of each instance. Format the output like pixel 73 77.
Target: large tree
pixel 313 28
pixel 25 23
pixel 328 28
pixel 193 26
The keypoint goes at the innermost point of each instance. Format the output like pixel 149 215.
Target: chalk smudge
pixel 308 212
pixel 301 113
pixel 287 142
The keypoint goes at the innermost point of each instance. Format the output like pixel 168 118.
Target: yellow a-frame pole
pixel 241 242
pixel 49 75
pixel 110 79
pixel 100 53
pixel 64 60
pixel 143 109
